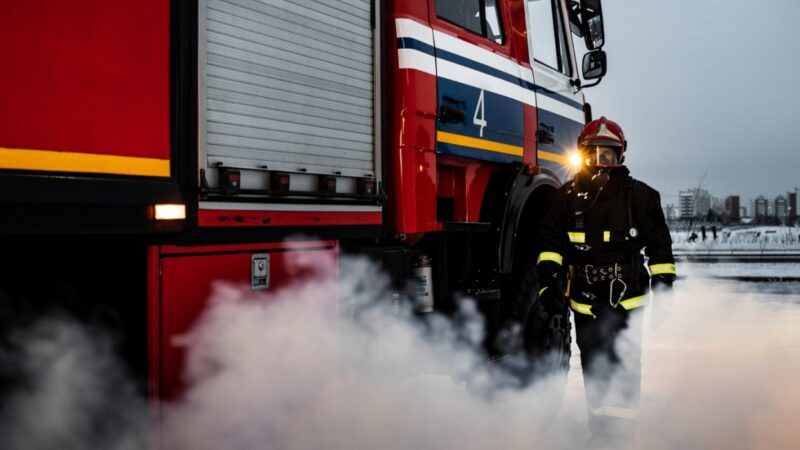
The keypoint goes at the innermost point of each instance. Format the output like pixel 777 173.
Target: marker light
pixel 575 160
pixel 170 212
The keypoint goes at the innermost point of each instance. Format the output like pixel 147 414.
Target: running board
pixel 483 295
pixel 467 227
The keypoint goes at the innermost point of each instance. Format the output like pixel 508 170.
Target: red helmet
pixel 602 133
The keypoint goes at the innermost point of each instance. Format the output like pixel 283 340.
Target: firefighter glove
pixel 551 295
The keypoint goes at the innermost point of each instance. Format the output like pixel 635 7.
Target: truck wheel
pixel 546 337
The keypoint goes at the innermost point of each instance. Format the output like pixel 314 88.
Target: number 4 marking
pixel 480 121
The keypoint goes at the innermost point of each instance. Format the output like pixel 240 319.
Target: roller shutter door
pixel 288 85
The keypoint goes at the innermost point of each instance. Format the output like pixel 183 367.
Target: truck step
pixel 482 295
pixel 467 227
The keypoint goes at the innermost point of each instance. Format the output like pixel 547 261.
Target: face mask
pixel 602 156
pixel 600 177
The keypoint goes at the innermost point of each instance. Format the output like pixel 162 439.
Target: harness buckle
pixel 587 276
pixel 616 279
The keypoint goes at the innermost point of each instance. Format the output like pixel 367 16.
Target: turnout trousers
pixel 610 349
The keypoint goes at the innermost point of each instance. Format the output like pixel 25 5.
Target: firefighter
pixel 592 241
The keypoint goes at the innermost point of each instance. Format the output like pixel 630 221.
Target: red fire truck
pixel 148 148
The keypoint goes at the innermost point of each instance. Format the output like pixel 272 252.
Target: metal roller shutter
pixel 288 84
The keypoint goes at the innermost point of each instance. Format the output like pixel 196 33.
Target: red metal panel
pixel 468 180
pixel 234 218
pixel 415 191
pixel 412 162
pixel 87 76
pixel 177 250
pixel 187 276
pixel 477 178
pixel 514 11
pixel 414 9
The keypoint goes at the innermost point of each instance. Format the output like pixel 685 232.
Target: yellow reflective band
pixel 634 302
pixel 577 236
pixel 615 411
pixel 606 236
pixel 660 269
pixel 58 161
pixel 553 157
pixel 550 256
pixel 481 144
pixel 542 290
pixel 581 308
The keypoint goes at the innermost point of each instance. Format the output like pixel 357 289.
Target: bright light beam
pixel 575 160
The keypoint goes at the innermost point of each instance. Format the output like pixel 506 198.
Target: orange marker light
pixel 170 212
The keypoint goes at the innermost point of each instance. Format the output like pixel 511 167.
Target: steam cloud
pixel 297 369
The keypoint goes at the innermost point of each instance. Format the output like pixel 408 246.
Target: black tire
pixel 542 346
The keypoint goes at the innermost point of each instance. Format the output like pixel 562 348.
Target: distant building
pixel 743 212
pixel 686 204
pixel 781 211
pixel 760 208
pixel 733 209
pixel 791 217
pixel 702 203
pixel 669 212
pixel 694 203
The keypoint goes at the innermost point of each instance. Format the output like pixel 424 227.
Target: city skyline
pixel 703 92
pixel 698 202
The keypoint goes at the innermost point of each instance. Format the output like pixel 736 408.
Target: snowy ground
pixel 739 238
pixel 722 372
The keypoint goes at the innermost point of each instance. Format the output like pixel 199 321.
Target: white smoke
pixel 289 371
pixel 722 372
pixel 73 393
pixel 339 363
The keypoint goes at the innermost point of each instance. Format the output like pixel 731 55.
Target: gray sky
pixel 701 85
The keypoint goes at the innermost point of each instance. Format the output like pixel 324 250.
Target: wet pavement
pixel 722 372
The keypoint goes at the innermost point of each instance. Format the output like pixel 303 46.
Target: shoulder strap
pixel 630 194
pixel 633 232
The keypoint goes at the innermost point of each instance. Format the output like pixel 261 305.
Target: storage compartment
pixel 288 88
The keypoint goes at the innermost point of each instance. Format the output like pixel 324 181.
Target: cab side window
pixel 481 17
pixel 548 35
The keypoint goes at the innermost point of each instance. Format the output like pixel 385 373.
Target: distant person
pixel 592 238
pixel 703 232
pixel 693 237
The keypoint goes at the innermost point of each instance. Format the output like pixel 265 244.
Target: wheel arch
pixel 527 199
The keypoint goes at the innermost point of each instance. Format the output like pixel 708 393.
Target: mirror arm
pixel 592 84
pixel 576 83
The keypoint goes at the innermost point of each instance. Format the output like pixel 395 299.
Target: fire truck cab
pixel 150 148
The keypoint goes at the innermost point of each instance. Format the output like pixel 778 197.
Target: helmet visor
pixel 602 155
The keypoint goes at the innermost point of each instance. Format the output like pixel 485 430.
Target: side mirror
pixel 594 65
pixel 592 21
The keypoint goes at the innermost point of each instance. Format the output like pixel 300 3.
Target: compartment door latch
pixel 259 272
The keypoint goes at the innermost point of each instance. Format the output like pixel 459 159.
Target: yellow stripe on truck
pixel 52 161
pixel 554 157
pixel 481 144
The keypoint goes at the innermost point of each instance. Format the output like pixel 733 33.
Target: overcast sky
pixel 705 85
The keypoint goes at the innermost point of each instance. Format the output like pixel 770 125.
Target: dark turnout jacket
pixel 595 237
